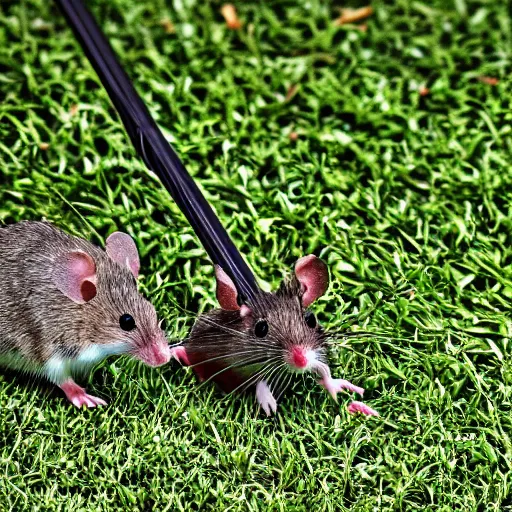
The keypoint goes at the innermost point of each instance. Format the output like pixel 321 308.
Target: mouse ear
pixel 226 290
pixel 122 249
pixel 313 276
pixel 74 275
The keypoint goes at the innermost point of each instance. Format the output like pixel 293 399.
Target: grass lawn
pixel 306 137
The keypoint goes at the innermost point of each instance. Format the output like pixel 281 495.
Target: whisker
pixel 236 365
pixel 350 334
pixel 235 333
pixel 221 327
pixel 277 379
pixel 261 375
pixel 245 362
pixel 230 355
pixel 271 375
pixel 230 350
pixel 335 338
pixel 285 387
pixel 384 334
pixel 210 342
pixel 253 379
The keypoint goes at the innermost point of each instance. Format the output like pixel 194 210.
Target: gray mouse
pixel 66 304
pixel 262 344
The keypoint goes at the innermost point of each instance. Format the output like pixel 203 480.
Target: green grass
pixel 408 198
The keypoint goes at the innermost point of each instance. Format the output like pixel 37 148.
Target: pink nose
pixel 162 354
pixel 155 354
pixel 299 358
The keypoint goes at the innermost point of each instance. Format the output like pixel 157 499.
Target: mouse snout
pixel 300 358
pixel 155 353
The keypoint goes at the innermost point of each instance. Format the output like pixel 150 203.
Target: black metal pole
pixel 154 149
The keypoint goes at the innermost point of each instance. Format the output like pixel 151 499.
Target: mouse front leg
pixel 57 370
pixel 356 407
pixel 334 386
pixel 180 354
pixel 77 395
pixel 265 398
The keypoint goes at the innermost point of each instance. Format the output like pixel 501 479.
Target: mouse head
pixel 114 317
pixel 281 319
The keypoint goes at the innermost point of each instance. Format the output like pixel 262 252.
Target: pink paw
pixel 180 354
pixel 355 407
pixel 334 386
pixel 78 397
pixel 87 400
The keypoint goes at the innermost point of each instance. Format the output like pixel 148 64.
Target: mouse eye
pixel 261 328
pixel 310 319
pixel 127 322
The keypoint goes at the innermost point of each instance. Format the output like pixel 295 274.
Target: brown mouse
pixel 263 343
pixel 66 304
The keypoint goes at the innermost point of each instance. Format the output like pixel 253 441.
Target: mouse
pixel 66 304
pixel 263 343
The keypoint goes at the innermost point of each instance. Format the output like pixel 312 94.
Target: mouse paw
pixel 334 386
pixel 355 407
pixel 265 398
pixel 180 354
pixel 78 397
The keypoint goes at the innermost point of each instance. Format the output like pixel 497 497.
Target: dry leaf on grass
pixel 228 11
pixel 423 90
pixel 489 80
pixel 292 91
pixel 44 146
pixel 168 26
pixel 353 15
pixel 40 24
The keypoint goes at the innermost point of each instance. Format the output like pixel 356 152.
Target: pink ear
pixel 122 249
pixel 75 276
pixel 226 290
pixel 313 276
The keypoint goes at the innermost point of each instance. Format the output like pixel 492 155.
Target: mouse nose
pixel 161 354
pixel 299 358
pixel 155 353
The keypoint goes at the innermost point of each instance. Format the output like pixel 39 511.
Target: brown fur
pixel 38 322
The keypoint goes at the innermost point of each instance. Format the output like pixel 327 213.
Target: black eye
pixel 261 328
pixel 126 322
pixel 310 319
